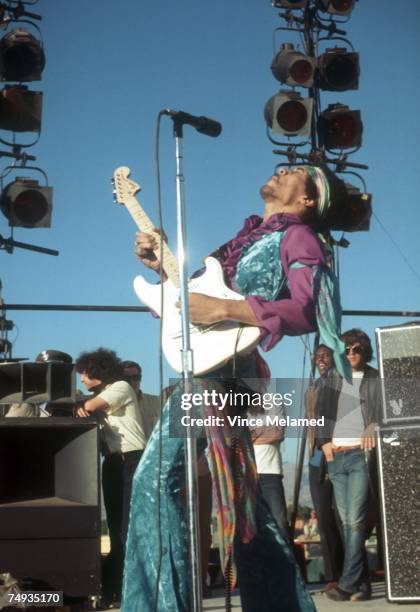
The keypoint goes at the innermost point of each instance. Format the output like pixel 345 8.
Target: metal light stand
pixel 187 373
pixel 8 244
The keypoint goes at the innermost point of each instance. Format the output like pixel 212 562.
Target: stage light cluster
pixel 24 202
pixel 290 114
pixel 322 60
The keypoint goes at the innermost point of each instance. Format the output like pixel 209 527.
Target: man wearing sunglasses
pixel 352 411
pixel 149 404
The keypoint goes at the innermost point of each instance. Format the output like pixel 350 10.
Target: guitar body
pixel 212 345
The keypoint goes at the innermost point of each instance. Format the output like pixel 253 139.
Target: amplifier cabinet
pixel 50 517
pixel 399 368
pixel 399 483
pixel 36 383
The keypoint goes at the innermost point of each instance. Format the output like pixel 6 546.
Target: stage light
pixel 358 210
pixel 340 128
pixel 354 213
pixel 20 109
pixel 26 204
pixel 288 113
pixel 337 7
pixel 21 57
pixel 290 4
pixel 292 67
pixel 338 70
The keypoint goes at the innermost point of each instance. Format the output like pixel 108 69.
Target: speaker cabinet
pixel 36 383
pixel 50 520
pixel 399 367
pixel 399 478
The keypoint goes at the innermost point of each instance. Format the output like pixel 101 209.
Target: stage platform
pixel 378 603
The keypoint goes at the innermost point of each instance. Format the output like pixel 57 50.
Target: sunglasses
pixel 133 377
pixel 357 350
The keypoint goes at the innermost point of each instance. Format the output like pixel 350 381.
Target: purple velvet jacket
pixel 293 312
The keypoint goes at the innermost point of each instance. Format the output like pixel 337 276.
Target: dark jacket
pixel 327 402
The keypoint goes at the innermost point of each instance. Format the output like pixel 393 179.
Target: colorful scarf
pixel 234 476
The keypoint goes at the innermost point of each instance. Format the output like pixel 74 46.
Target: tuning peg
pixel 112 180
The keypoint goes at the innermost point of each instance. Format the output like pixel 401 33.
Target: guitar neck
pixel 163 253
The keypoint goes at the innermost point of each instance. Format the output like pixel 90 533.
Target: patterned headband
pixel 322 188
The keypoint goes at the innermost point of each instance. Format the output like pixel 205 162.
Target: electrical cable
pixel 300 449
pixel 6 171
pixel 228 576
pixel 160 444
pixel 397 247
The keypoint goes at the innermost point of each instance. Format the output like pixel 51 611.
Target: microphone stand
pixel 190 446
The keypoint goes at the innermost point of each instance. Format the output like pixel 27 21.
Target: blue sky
pixel 111 67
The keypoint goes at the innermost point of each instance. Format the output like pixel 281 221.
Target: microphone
pixel 204 125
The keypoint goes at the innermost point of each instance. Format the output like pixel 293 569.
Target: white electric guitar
pixel 212 345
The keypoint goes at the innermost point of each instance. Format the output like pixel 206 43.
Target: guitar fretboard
pixel 163 253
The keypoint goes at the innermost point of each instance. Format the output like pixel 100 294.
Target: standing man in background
pixel 352 412
pixel 320 483
pixel 149 404
pixel 267 440
pixel 101 372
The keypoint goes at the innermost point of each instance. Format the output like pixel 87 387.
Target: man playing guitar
pixel 277 263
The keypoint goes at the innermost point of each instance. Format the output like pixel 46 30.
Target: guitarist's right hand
pixel 145 245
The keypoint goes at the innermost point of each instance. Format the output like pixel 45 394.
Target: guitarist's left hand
pixel 207 310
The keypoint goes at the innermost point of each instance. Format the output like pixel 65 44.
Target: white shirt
pixel 268 458
pixel 123 428
pixel 349 424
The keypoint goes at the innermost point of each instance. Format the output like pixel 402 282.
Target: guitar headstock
pixel 124 188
